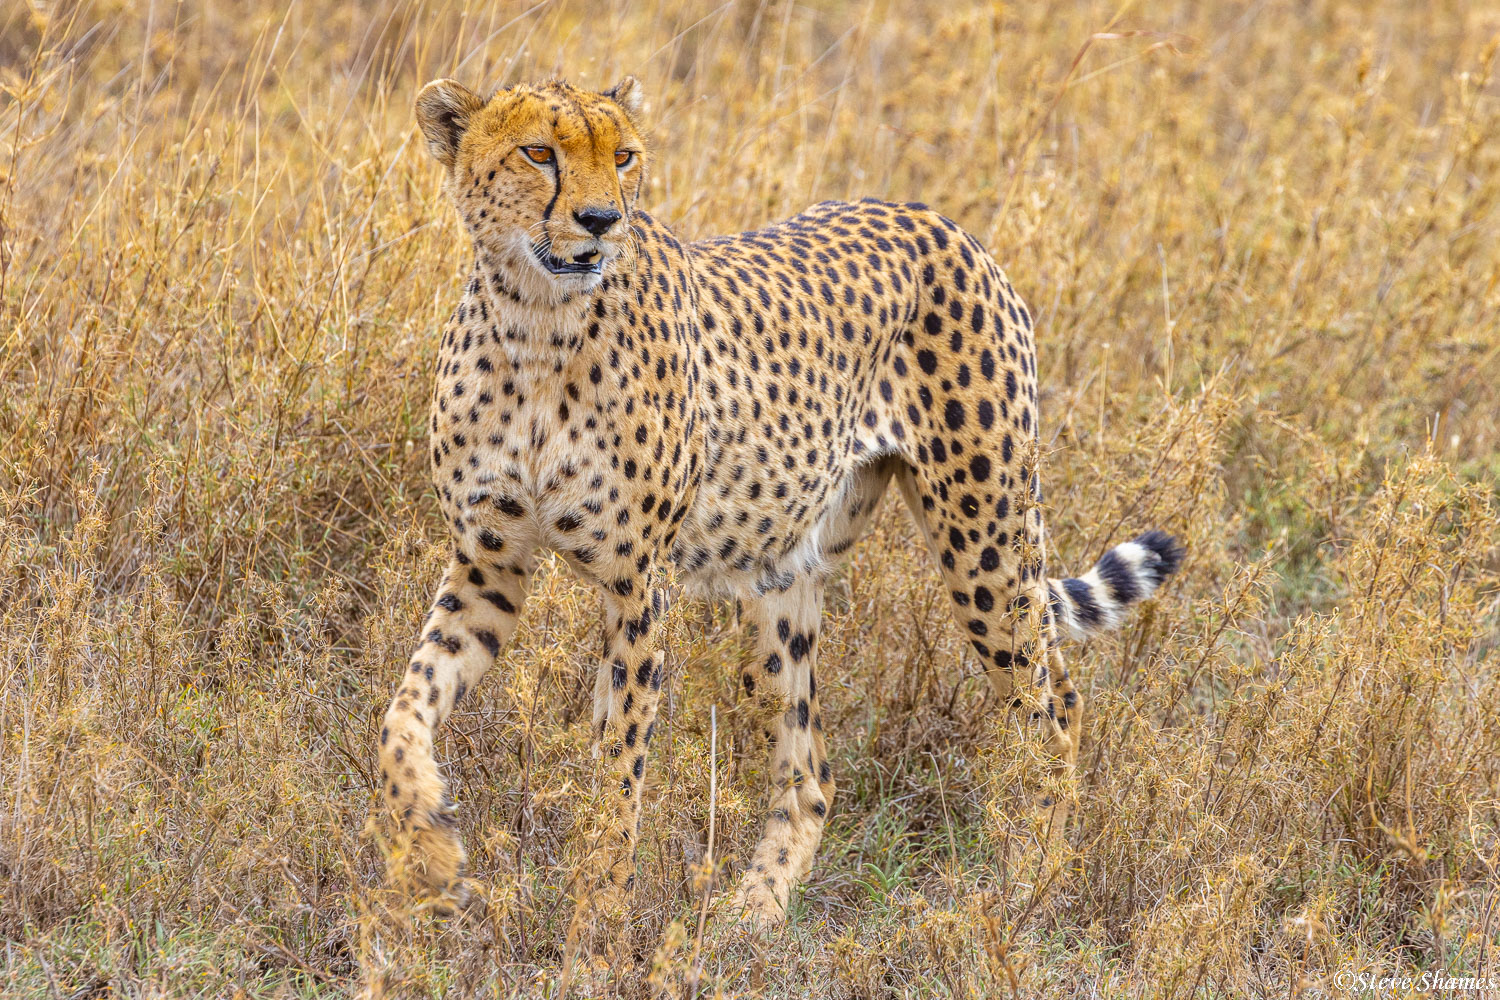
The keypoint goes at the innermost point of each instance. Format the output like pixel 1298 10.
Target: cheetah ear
pixel 445 109
pixel 629 95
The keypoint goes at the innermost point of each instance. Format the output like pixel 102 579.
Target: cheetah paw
pixel 756 905
pixel 430 860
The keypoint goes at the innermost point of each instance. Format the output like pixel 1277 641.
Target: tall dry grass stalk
pixel 1260 241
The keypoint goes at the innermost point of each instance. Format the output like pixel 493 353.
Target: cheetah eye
pixel 537 154
pixel 623 158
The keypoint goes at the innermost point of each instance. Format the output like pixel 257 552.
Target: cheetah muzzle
pixel 728 413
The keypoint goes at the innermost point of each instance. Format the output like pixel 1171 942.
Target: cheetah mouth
pixel 588 262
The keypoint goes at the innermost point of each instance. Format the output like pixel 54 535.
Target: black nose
pixel 597 220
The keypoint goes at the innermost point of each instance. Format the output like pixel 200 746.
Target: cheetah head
pixel 544 177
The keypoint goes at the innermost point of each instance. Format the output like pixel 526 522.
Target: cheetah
pixel 719 418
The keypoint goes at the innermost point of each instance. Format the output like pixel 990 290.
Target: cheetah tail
pixel 1127 573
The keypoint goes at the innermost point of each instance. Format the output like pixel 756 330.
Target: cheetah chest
pixel 528 467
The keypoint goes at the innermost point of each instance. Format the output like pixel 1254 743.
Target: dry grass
pixel 1261 246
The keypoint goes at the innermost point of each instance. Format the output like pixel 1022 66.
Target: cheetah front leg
pixel 783 680
pixel 474 615
pixel 626 693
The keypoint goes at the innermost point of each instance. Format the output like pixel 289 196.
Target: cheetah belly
pixel 769 510
pixel 733 546
pixel 720 551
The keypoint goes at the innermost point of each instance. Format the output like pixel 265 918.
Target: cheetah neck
pixel 533 332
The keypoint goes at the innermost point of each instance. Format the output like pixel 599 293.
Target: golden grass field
pixel 1261 239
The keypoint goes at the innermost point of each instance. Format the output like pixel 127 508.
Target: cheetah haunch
pixel 731 409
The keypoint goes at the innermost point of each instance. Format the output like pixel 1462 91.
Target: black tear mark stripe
pixel 556 190
pixel 556 180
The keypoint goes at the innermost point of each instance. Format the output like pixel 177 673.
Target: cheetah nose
pixel 597 220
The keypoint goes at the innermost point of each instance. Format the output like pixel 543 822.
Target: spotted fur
pixel 728 414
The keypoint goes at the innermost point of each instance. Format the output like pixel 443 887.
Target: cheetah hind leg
pixel 1000 602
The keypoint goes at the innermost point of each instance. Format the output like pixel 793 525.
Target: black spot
pixel 797 647
pixel 499 600
pixel 508 506
pixel 488 640
pixel 448 643
pixel 954 414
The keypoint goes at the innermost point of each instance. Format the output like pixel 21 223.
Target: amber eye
pixel 623 158
pixel 537 154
